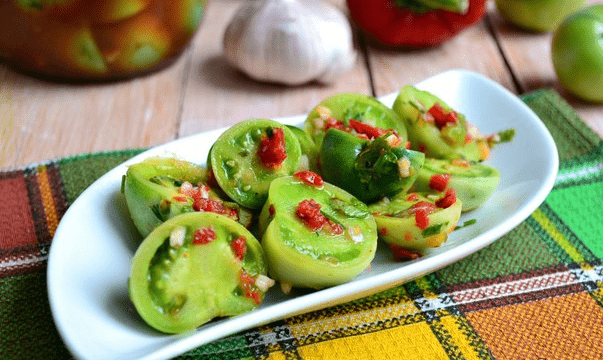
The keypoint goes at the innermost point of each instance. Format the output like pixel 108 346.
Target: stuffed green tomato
pixel 368 169
pixel 436 129
pixel 338 110
pixel 249 155
pixel 417 221
pixel 157 189
pixel 195 267
pixel 315 234
pixel 473 182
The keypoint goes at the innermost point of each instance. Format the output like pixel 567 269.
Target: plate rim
pixel 387 279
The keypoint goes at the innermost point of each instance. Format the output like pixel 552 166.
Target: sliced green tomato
pixel 302 257
pixel 74 49
pixel 473 183
pixel 309 150
pixel 235 161
pixel 368 169
pixel 397 221
pixel 103 11
pixel 178 283
pixel 135 44
pixel 152 191
pixel 449 142
pixel 352 106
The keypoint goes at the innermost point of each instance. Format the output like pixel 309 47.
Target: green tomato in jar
pixel 249 155
pixel 537 15
pixel 315 234
pixel 158 189
pixel 337 111
pixel 196 267
pixel 577 52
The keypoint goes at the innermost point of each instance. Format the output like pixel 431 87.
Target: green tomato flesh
pixel 412 105
pixel 236 164
pixel 397 223
pixel 368 169
pixel 299 256
pixel 577 53
pixel 473 183
pixel 352 106
pixel 178 288
pixel 151 189
pixel 308 149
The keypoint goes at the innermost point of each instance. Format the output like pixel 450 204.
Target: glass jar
pixel 90 40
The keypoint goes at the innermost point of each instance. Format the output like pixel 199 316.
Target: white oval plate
pixel 89 261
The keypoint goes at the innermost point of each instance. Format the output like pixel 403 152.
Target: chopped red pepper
pixel 412 197
pixel 403 254
pixel 370 131
pixel 333 228
pixel 336 124
pixel 309 212
pixel 204 236
pixel 422 209
pixel 239 246
pixel 441 117
pixel 439 182
pixel 271 210
pixel 447 200
pixel 180 198
pixel 272 150
pixel 247 285
pixel 310 178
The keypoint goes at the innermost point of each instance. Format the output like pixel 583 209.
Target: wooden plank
pixel 42 120
pixel 529 57
pixel 217 95
pixel 474 49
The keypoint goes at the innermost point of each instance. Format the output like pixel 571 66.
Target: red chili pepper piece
pixel 441 117
pixel 412 197
pixel 422 209
pixel 271 210
pixel 309 212
pixel 370 131
pixel 447 200
pixel 336 124
pixel 309 177
pixel 439 182
pixel 272 150
pixel 403 254
pixel 239 247
pixel 246 283
pixel 204 236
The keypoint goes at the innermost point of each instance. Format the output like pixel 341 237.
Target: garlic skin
pixel 290 42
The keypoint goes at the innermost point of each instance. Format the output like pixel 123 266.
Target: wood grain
pixel 529 58
pixel 218 95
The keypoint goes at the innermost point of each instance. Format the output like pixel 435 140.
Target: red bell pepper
pixel 414 23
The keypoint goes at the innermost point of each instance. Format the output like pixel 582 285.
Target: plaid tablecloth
pixel 536 293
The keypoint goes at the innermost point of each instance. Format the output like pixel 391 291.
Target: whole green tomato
pixel 577 52
pixel 537 15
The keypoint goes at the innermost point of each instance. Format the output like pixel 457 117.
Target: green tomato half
pixel 448 142
pixel 196 267
pixel 537 15
pixel 352 106
pixel 153 192
pixel 368 169
pixel 236 161
pixel 473 183
pixel 399 224
pixel 577 53
pixel 332 254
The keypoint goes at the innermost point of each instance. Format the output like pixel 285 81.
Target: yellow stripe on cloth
pixel 559 238
pixel 52 219
pixel 410 342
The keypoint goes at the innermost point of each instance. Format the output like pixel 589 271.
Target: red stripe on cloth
pixel 17 227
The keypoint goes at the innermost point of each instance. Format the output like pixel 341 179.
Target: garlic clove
pixel 290 41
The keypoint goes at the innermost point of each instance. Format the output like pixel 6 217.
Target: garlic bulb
pixel 290 41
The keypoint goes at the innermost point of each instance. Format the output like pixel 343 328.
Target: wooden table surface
pixel 41 121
